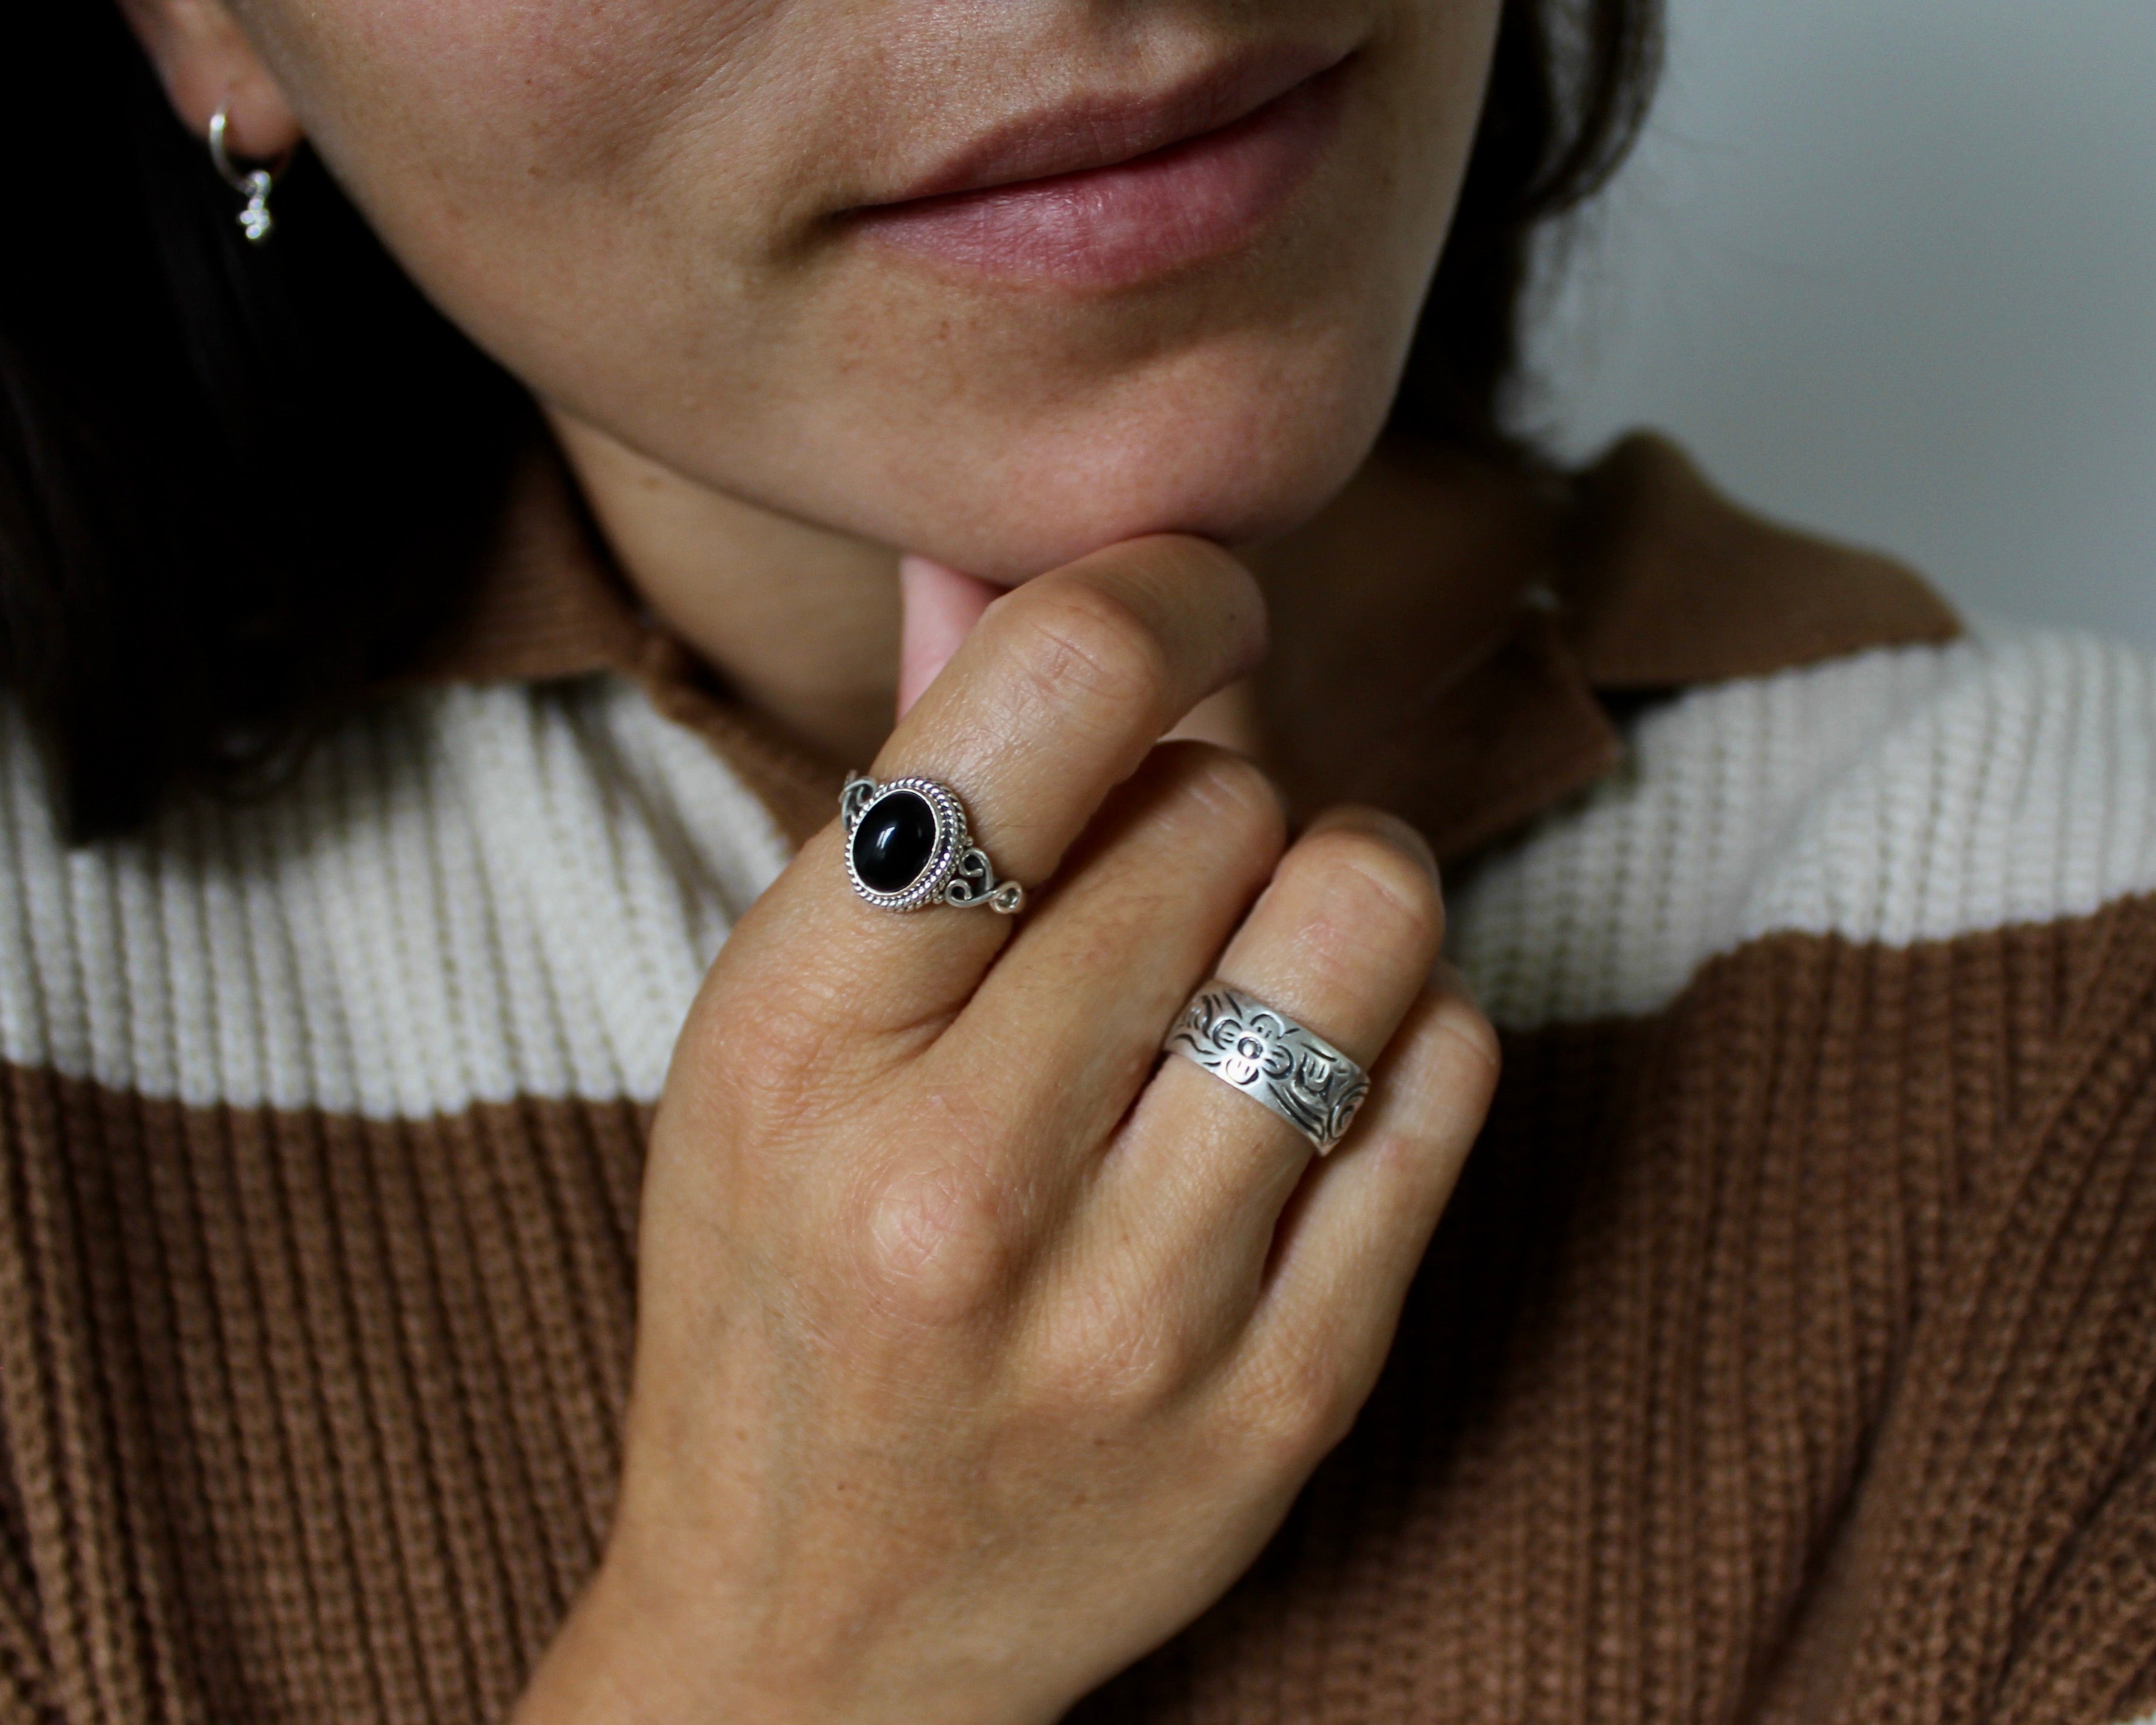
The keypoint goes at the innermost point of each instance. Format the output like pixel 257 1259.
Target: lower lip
pixel 1121 226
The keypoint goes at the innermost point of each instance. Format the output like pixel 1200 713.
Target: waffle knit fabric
pixel 1788 1353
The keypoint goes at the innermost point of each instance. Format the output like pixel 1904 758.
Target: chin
pixel 1244 467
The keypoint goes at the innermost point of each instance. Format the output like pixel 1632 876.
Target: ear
pixel 206 63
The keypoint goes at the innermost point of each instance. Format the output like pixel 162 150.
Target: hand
pixel 978 1352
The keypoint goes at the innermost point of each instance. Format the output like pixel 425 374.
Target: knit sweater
pixel 1788 1352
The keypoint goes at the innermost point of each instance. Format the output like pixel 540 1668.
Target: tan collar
pixel 1449 667
pixel 1478 618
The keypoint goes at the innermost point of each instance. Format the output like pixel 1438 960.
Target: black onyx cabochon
pixel 895 842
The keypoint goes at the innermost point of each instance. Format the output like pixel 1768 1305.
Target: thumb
pixel 941 607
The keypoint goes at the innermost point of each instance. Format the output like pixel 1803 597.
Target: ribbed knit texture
pixel 1788 1354
pixel 312 1418
pixel 476 895
pixel 1894 797
pixel 1790 1358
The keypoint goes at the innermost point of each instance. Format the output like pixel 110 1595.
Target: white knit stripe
pixel 480 894
pixel 499 765
pixel 503 798
pixel 244 1042
pixel 290 918
pixel 669 769
pixel 371 932
pixel 451 964
pixel 476 895
pixel 1608 906
pixel 607 870
pixel 1889 797
pixel 2021 792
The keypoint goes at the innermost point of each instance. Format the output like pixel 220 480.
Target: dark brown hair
pixel 239 485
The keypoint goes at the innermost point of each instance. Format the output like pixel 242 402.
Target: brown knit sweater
pixel 1788 1353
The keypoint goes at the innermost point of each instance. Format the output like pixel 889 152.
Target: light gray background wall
pixel 1888 267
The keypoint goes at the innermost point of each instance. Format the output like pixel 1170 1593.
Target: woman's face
pixel 758 240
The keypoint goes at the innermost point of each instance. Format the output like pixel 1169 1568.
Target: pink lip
pixel 1107 195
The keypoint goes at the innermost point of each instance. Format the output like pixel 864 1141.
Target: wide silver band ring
pixel 1271 1059
pixel 908 847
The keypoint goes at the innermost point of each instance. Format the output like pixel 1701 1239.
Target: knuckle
pixel 1102 1351
pixel 1369 893
pixel 1083 643
pixel 1296 1409
pixel 1180 564
pixel 941 1243
pixel 1232 794
pixel 778 1064
pixel 1443 1088
pixel 1475 1040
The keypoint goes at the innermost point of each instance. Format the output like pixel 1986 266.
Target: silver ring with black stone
pixel 908 847
pixel 1262 1052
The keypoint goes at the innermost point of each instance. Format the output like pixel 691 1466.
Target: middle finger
pixel 1056 698
pixel 1065 1029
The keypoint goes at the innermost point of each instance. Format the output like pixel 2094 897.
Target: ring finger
pixel 1115 947
pixel 1342 941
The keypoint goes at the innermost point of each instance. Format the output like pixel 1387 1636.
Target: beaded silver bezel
pixel 953 842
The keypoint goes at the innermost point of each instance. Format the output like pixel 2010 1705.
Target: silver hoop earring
pixel 254 184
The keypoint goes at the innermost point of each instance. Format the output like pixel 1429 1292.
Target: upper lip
pixel 1101 130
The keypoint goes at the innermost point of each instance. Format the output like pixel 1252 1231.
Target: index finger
pixel 1053 701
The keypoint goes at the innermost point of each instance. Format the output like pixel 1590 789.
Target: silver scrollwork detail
pixel 854 801
pixel 1272 1060
pixel 975 884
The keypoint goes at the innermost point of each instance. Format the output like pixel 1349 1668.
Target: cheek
pixel 498 126
pixel 471 77
pixel 559 176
